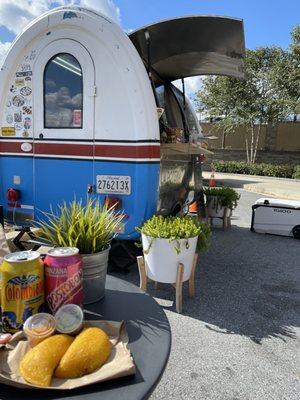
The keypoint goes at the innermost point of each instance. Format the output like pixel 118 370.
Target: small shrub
pixel 227 197
pixel 296 174
pixel 175 228
pixel 261 169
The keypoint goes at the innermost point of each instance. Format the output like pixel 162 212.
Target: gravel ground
pixel 238 339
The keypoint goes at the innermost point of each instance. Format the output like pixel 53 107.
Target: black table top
pixel 149 341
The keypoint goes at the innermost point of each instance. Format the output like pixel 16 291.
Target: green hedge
pixel 241 167
pixel 296 174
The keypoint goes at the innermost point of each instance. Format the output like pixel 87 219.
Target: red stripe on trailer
pixel 146 151
pixel 84 150
pixel 13 147
pixel 64 149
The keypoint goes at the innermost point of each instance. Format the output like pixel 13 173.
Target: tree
pixel 268 94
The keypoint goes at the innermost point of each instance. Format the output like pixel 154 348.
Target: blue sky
pixel 267 22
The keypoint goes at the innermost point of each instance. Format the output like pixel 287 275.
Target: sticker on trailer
pixel 25 67
pixel 27 110
pixel 113 184
pixel 18 101
pixel 27 123
pixel 13 89
pixel 9 119
pixel 25 91
pixel 21 74
pixel 76 117
pixel 8 131
pixel 18 117
pixel 27 147
pixel 20 81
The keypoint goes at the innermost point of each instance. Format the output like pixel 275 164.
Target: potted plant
pixel 168 241
pixel 221 200
pixel 90 228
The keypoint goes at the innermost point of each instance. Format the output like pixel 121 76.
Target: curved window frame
pixel 77 50
pixel 178 94
pixel 44 94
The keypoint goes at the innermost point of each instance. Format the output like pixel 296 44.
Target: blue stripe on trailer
pixel 63 180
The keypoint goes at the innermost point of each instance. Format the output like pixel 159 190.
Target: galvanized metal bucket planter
pixel 94 275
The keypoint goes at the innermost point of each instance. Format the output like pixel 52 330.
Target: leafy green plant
pixel 226 196
pixel 89 227
pixel 175 228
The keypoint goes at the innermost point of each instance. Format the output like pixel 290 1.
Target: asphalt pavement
pixel 281 188
pixel 238 339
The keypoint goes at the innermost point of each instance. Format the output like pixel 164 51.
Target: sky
pixel 267 22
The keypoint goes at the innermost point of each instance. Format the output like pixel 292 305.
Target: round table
pixel 149 341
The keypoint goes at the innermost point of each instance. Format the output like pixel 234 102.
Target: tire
pixel 296 232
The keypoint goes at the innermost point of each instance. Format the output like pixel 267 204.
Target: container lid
pixel 63 251
pixel 278 203
pixel 21 256
pixel 40 324
pixel 68 318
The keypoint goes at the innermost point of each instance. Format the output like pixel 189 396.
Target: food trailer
pixel 78 113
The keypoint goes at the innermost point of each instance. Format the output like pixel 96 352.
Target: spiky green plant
pixel 89 227
pixel 175 228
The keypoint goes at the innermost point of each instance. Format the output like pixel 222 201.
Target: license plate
pixel 113 184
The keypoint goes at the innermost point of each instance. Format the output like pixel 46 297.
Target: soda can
pixel 63 277
pixel 22 288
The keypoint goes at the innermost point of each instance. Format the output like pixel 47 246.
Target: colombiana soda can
pixel 22 288
pixel 63 277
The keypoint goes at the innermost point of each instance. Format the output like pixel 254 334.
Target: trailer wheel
pixel 296 232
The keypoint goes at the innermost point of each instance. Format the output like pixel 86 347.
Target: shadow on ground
pixel 234 183
pixel 246 284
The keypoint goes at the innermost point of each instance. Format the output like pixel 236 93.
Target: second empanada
pixel 89 351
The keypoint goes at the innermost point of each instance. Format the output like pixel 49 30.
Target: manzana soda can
pixel 22 288
pixel 63 277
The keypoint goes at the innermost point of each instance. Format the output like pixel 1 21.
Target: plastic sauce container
pixel 39 327
pixel 69 319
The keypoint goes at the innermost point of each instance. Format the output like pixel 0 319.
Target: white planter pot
pixel 162 260
pixel 215 210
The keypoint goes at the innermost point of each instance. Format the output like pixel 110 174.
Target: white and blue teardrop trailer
pixel 78 109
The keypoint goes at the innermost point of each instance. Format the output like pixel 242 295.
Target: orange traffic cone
pixel 212 182
pixel 193 209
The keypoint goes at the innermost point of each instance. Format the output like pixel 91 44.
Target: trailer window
pixel 63 88
pixel 172 116
pixel 189 113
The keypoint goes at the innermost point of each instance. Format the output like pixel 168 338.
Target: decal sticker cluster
pixel 17 118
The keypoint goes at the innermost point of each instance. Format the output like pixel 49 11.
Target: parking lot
pixel 238 339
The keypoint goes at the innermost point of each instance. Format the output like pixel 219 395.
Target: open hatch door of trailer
pixel 177 49
pixel 191 46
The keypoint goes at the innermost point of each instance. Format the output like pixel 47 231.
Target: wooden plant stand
pixel 177 285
